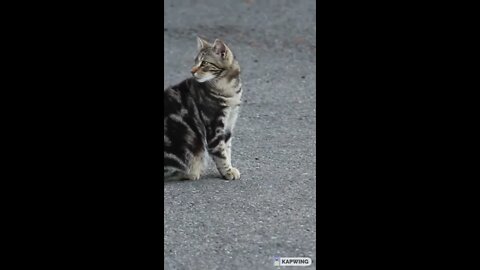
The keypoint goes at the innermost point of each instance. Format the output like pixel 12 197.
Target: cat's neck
pixel 225 93
pixel 228 85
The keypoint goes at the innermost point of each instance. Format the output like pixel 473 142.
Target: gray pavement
pixel 216 224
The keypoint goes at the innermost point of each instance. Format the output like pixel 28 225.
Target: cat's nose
pixel 194 70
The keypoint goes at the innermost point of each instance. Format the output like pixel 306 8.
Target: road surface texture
pixel 216 224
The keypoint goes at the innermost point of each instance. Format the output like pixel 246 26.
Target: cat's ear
pixel 201 43
pixel 221 49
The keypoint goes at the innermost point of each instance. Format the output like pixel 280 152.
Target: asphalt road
pixel 216 224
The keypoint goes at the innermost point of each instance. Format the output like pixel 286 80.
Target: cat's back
pixel 174 98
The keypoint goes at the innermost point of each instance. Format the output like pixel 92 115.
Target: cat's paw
pixel 232 174
pixel 193 177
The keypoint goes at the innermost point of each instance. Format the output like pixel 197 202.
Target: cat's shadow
pixel 205 177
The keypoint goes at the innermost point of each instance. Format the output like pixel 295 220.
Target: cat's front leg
pixel 228 142
pixel 221 154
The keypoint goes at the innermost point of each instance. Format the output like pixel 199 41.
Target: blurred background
pixel 217 224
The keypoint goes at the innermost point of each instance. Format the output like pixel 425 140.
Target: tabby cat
pixel 200 114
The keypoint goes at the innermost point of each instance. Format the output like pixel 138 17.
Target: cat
pixel 200 114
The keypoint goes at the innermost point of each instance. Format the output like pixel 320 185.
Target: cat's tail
pixel 173 167
pixel 172 174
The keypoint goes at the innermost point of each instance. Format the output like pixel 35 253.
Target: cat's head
pixel 212 60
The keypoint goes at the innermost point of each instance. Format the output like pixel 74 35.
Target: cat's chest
pixel 225 117
pixel 230 118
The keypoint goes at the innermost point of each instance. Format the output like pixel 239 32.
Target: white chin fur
pixel 208 78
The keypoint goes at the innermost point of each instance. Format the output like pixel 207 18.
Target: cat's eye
pixel 210 65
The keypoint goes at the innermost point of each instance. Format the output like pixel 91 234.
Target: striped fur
pixel 200 114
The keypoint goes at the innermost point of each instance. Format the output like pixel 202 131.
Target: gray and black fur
pixel 200 114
